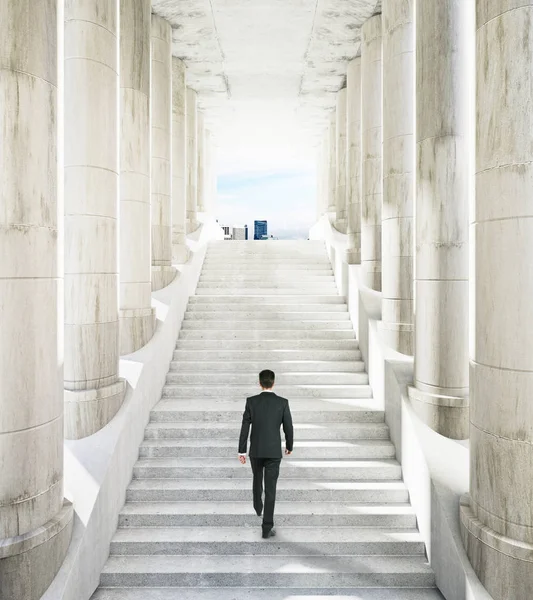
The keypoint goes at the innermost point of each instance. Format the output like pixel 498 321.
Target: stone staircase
pixel 345 526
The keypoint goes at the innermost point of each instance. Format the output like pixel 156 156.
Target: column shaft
pixel 372 151
pixel 192 161
pixel 161 176
pixel 340 191
pixel 332 163
pixel 201 186
pixel 398 174
pixel 208 176
pixel 180 252
pixel 444 84
pixel 353 160
pixel 35 524
pixel 93 390
pixel 497 527
pixel 137 318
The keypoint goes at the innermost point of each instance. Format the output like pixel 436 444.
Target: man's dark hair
pixel 267 379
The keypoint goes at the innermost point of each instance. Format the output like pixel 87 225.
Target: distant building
pixel 240 233
pixel 260 230
pixel 228 232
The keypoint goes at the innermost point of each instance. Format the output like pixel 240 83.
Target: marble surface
pixel 372 150
pixel 161 154
pixel 192 160
pixel 202 166
pixel 179 162
pixel 332 162
pixel 497 518
pixel 398 174
pixel 354 160
pixel 31 306
pixel 444 146
pixel 136 316
pixel 340 184
pixel 91 172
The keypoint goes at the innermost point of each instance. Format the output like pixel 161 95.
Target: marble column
pixel 444 116
pixel 321 181
pixel 35 521
pixel 397 224
pixel 340 184
pixel 93 390
pixel 353 160
pixel 209 198
pixel 137 317
pixel 192 160
pixel 161 175
pixel 371 151
pixel 180 253
pixel 497 520
pixel 332 164
pixel 201 181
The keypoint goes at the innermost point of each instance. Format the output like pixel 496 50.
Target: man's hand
pixel 242 459
pixel 288 452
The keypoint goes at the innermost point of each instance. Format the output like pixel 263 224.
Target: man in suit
pixel 266 413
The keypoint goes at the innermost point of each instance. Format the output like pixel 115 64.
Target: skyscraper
pixel 260 230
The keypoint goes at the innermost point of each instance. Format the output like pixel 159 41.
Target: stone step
pixel 288 514
pixel 292 468
pixel 268 299
pixel 212 317
pixel 278 335
pixel 300 391
pixel 232 378
pixel 288 284
pixel 286 344
pixel 290 541
pixel 265 266
pixel 230 430
pixel 265 326
pixel 230 411
pixel 319 449
pixel 204 364
pixel 288 490
pixel 272 593
pixel 303 571
pixel 204 308
pixel 271 356
pixel 251 277
pixel 271 291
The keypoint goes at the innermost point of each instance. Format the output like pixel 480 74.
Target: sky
pixel 284 198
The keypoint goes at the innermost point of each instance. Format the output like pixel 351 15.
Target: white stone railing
pixel 99 468
pixel 435 468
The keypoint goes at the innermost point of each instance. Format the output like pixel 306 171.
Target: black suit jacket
pixel 266 413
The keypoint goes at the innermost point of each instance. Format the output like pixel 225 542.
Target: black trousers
pixel 267 469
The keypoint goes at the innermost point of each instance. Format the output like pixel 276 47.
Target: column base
pixel 29 562
pixel 371 276
pixel 503 565
pixel 87 411
pixel 353 257
pixel 192 226
pixel 162 276
pixel 447 415
pixel 137 326
pixel 341 225
pixel 399 336
pixel 180 254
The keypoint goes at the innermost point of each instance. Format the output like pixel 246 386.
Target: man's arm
pixel 288 428
pixel 245 429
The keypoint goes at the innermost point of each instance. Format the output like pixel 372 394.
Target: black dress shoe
pixel 268 533
pixel 258 512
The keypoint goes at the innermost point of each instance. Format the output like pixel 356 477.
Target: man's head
pixel 267 379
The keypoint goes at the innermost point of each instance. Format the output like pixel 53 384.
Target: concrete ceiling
pixel 266 71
